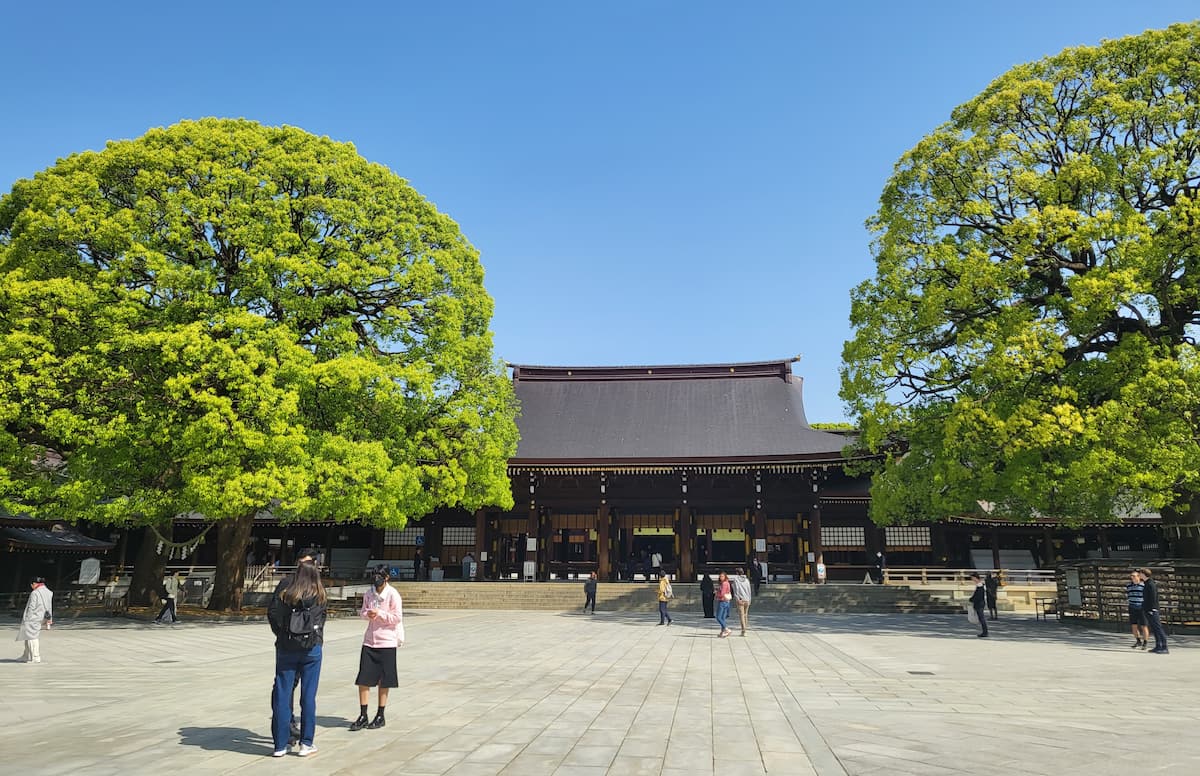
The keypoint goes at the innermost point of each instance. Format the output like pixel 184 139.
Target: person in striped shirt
pixel 1137 616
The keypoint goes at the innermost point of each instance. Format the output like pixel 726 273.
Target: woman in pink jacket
pixel 385 632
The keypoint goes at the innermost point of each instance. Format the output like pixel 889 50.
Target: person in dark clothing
pixel 1150 606
pixel 755 574
pixel 589 591
pixel 979 603
pixel 296 615
pixel 991 586
pixel 418 561
pixel 707 595
pixel 880 565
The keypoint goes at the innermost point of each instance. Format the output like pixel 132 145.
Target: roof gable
pixel 706 412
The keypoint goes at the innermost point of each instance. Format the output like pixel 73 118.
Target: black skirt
pixel 377 667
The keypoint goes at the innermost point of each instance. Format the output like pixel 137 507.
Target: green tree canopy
pixel 1030 332
pixel 221 317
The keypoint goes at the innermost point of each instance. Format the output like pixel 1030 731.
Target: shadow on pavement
pixel 231 739
pixel 226 739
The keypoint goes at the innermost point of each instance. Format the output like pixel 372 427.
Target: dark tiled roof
pixel 59 539
pixel 713 412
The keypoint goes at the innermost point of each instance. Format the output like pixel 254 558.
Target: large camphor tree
pixel 1029 338
pixel 225 318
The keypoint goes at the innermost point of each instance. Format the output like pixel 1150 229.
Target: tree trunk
pixel 149 568
pixel 233 537
pixel 1179 528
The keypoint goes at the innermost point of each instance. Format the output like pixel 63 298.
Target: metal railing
pixel 939 576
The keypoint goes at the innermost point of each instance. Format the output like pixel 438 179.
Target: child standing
pixel 384 612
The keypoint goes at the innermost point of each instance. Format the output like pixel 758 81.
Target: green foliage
pixel 222 317
pixel 1030 332
pixel 833 426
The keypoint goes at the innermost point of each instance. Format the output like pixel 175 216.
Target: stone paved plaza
pixel 538 693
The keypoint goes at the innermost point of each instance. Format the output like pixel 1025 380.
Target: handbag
pixel 972 615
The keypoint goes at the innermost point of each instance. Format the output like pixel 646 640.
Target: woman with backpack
pixel 297 617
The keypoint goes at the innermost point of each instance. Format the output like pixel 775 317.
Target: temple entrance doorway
pixel 639 537
pixel 573 551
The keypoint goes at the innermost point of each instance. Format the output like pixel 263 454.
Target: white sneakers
pixel 306 750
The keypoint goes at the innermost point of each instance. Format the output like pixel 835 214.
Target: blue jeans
pixel 287 665
pixel 722 614
pixel 662 613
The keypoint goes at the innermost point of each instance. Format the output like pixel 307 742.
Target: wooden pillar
pixel 531 532
pixel 628 548
pixel 687 546
pixel 800 540
pixel 760 532
pixel 1047 547
pixel 995 548
pixel 604 564
pixel 759 520
pixel 937 545
pixel 1104 551
pixel 814 525
pixel 814 539
pixel 543 544
pixel 682 544
pixel 481 522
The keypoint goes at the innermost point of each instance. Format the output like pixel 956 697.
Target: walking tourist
pixel 979 604
pixel 170 592
pixel 665 594
pixel 741 594
pixel 296 614
pixel 1150 606
pixel 1137 617
pixel 880 565
pixel 656 564
pixel 991 586
pixel 377 662
pixel 707 595
pixel 589 592
pixel 38 615
pixel 724 597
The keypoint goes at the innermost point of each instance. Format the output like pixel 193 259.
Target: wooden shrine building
pixel 705 465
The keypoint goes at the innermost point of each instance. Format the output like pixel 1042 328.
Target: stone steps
pixel 625 596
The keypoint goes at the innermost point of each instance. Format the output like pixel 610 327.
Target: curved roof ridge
pixel 780 368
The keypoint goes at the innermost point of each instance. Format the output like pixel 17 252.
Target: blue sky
pixel 648 182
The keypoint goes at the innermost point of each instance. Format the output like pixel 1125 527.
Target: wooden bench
pixel 570 568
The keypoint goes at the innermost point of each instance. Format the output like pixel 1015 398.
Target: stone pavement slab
pixel 529 693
